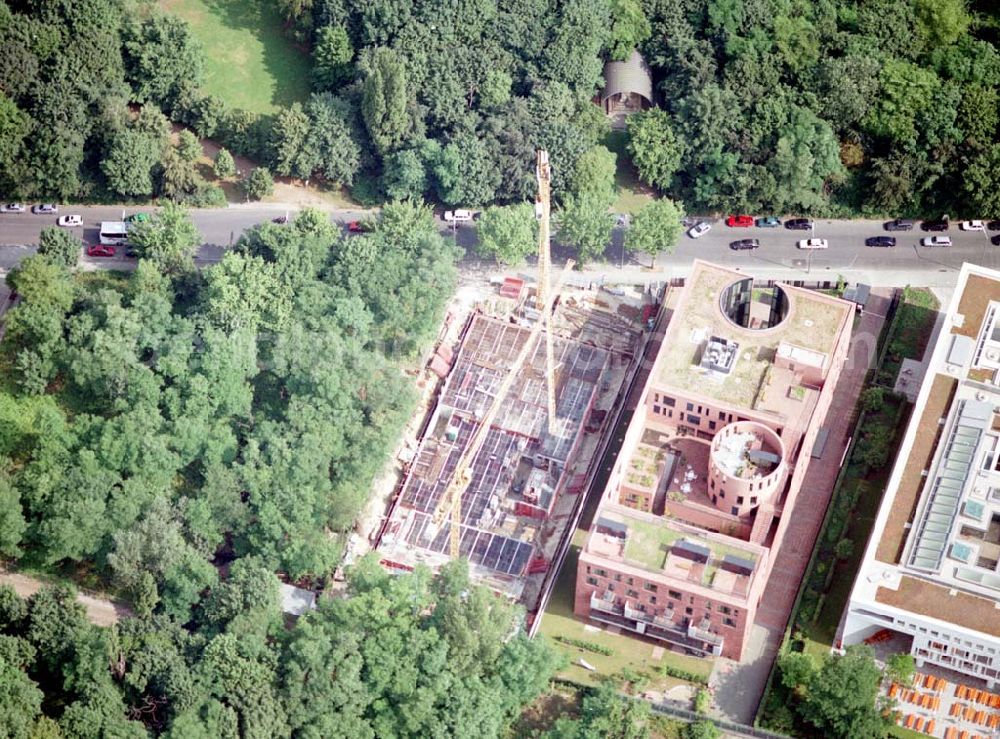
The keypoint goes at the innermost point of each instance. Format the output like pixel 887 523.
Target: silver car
pixel 12 208
pixel 45 209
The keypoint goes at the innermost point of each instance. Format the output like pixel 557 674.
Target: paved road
pixel 777 258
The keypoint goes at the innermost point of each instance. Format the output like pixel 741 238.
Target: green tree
pixel 842 699
pixel 594 175
pixel 257 184
pixel 941 22
pixel 806 159
pixel 12 523
pixel 981 182
pixel 385 100
pixel 129 162
pixel 288 136
pixel 702 730
pixel 330 149
pixel 605 713
pixel 508 233
pixel 15 125
pixel 405 175
pixel 224 165
pixel 179 176
pixel 844 549
pixel 332 54
pixel 162 57
pixel 629 28
pixel 655 229
pixel 900 668
pixel 244 292
pixel 654 146
pixel 702 702
pixel 59 246
pixel 188 146
pixel 586 224
pixel 168 238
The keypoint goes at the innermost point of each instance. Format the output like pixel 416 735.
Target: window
pixel 711 484
pixel 669 402
pixel 688 611
pixel 734 511
pixel 753 500
pixel 725 609
pixel 670 414
pixel 592 581
pixel 739 499
pixel 656 397
pixel 722 415
pixel 630 581
pixel 715 499
pixel 601 573
pixel 691 418
pixel 657 410
pixel 690 406
pixel 651 587
pixel 674 594
pixel 711 425
pixel 728 622
pixel 652 600
pixel 708 606
pixel 699 409
pixel 618 577
pixel 632 593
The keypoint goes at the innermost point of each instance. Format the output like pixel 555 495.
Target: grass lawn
pixel 632 195
pixel 631 653
pixel 249 63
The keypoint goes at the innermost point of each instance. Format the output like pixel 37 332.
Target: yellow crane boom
pixel 451 502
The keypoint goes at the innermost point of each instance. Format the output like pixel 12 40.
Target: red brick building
pixel 681 547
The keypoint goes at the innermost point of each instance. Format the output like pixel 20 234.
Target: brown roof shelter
pixel 628 86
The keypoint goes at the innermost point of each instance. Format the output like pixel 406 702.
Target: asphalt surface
pixel 777 258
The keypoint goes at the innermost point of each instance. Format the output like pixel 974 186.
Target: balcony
pixel 696 640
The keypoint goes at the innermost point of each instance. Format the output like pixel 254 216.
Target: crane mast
pixel 451 502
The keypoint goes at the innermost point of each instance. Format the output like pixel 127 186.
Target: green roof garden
pixel 647 544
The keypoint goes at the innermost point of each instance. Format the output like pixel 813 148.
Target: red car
pixel 100 250
pixel 355 227
pixel 739 221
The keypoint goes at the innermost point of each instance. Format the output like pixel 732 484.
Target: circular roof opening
pixel 754 308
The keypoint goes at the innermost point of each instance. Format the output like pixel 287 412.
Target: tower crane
pixel 450 504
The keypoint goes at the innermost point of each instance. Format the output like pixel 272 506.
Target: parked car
pixel 881 241
pixel 812 244
pixel 70 221
pixel 743 244
pixel 972 226
pixel 100 250
pixel 280 219
pixel 136 218
pixel 899 224
pixel 12 208
pixel 739 221
pixel 935 241
pixel 941 224
pixel 45 209
pixel 799 224
pixel 995 240
pixel 768 222
pixel 993 225
pixel 360 227
pixel 688 221
pixel 699 229
pixel 458 216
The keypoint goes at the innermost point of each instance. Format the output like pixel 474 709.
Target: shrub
pixel 702 702
pixel 681 674
pixel 258 184
pixel 586 645
pixel 206 196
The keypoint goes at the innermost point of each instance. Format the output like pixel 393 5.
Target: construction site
pixel 524 386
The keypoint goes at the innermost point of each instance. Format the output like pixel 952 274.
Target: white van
pixel 812 244
pixel 458 216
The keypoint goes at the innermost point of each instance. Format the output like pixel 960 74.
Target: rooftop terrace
pixel 676 550
pixel 812 323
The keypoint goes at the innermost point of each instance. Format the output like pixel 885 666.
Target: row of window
pixel 673 595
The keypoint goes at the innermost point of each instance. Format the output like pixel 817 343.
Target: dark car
pixel 739 221
pixel 881 241
pixel 280 219
pixel 899 224
pixel 995 240
pixel 993 225
pixel 799 224
pixel 768 222
pixel 941 224
pixel 744 244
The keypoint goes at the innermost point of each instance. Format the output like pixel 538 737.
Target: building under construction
pixel 526 478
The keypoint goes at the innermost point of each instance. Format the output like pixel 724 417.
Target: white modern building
pixel 930 568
